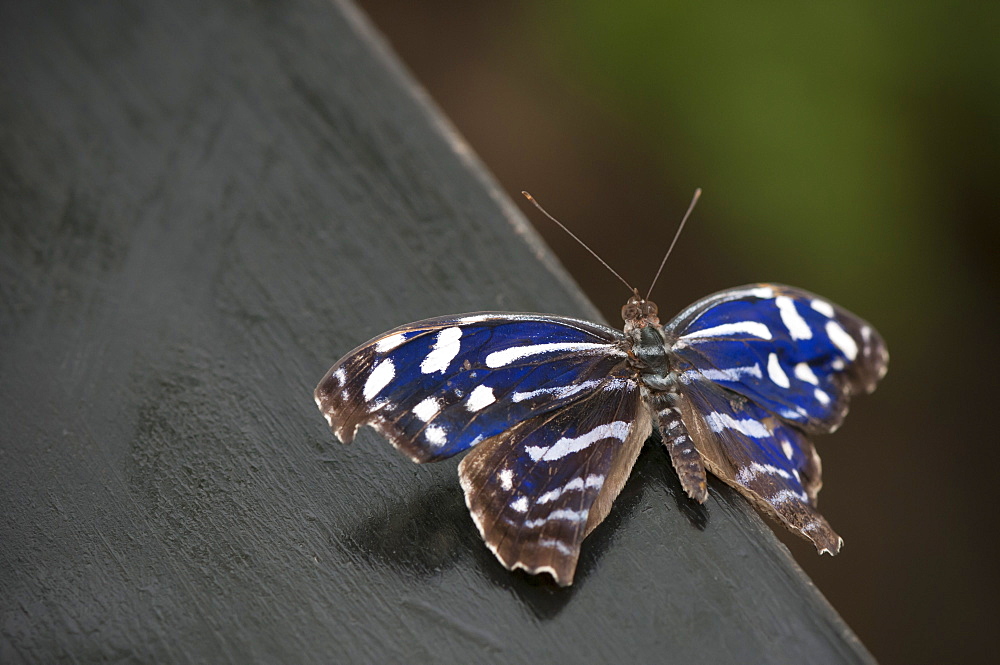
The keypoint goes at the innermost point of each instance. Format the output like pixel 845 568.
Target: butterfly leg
pixel 685 457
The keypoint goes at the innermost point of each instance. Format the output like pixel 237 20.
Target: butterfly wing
pixel 437 387
pixel 790 351
pixel 762 366
pixel 537 490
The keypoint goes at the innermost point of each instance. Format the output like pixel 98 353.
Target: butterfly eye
pixel 630 312
pixel 649 309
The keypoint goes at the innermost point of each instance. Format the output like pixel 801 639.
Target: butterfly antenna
pixel 694 201
pixel 582 243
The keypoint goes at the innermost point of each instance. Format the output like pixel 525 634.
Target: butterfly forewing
pixel 537 490
pixel 792 352
pixel 437 387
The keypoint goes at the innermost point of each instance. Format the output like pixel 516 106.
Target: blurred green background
pixel 849 149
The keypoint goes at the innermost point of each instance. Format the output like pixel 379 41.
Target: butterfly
pixel 555 410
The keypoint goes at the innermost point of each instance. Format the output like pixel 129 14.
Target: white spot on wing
pixel 520 505
pixel 427 409
pixel 797 326
pixel 568 445
pixel 389 343
pixel 341 376
pixel 763 292
pixel 786 447
pixel 752 328
pixel 480 398
pixel 720 421
pixel 804 373
pixel 822 306
pixel 379 378
pixel 821 396
pixel 842 340
pixel 506 479
pixel 775 371
pixel 446 347
pixel 514 353
pixel 436 435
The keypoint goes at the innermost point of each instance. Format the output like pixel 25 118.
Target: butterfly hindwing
pixel 437 387
pixel 769 461
pixel 792 352
pixel 537 490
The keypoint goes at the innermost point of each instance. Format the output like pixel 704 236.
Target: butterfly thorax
pixel 648 345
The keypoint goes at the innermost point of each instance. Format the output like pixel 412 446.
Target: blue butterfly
pixel 556 409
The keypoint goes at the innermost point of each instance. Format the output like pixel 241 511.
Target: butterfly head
pixel 639 312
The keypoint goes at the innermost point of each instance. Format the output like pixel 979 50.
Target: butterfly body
pixel 557 409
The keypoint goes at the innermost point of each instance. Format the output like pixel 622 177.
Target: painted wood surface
pixel 203 206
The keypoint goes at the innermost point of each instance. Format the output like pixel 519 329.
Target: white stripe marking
pixel 559 392
pixel 427 409
pixel 797 326
pixel 557 544
pixel 389 343
pixel 775 371
pixel 568 445
pixel 752 328
pixel 593 481
pixel 787 495
pixel 843 341
pixel 446 347
pixel 804 373
pixel 748 473
pixel 480 398
pixel 507 356
pixel 720 421
pixel 561 514
pixel 733 374
pixel 379 378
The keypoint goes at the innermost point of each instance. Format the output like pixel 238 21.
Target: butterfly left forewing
pixel 537 490
pixel 437 387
